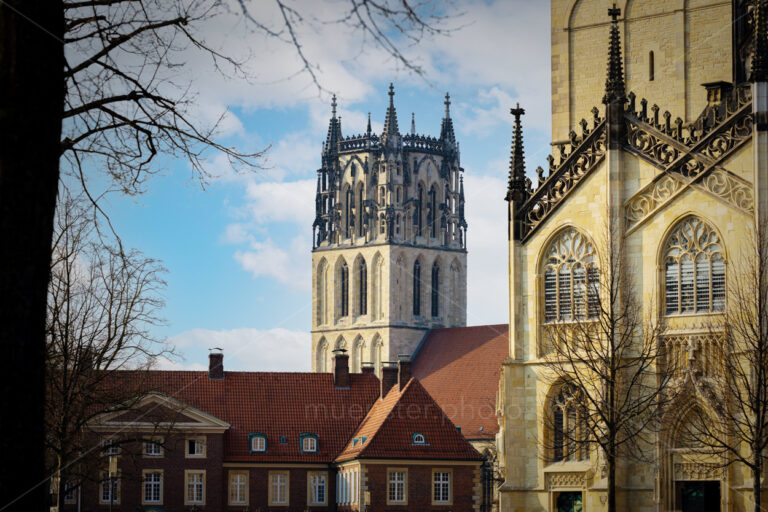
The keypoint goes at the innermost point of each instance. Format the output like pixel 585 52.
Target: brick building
pixel 283 441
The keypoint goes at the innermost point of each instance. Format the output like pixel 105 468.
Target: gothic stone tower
pixel 389 258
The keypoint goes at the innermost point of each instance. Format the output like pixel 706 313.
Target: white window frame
pixel 190 480
pixel 105 493
pixel 238 487
pixel 256 441
pixel 145 498
pixel 442 486
pixel 155 444
pixel 200 448
pixel 110 447
pixel 317 480
pixel 397 477
pixel 278 487
pixel 309 444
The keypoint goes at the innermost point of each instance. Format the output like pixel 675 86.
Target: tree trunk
pixel 757 474
pixel 31 106
pixel 611 462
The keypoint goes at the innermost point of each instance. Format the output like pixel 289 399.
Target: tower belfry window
pixel 344 282
pixel 417 288
pixel 435 290
pixel 431 221
pixel 363 288
pixel 418 215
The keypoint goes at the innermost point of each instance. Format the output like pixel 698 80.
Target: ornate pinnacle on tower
pixel 368 130
pixel 446 131
pixel 390 121
pixel 516 188
pixel 413 123
pixel 614 84
pixel 333 107
pixel 760 57
pixel 334 128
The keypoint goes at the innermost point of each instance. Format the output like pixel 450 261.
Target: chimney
pixel 388 377
pixel 340 368
pixel 367 368
pixel 403 369
pixel 216 364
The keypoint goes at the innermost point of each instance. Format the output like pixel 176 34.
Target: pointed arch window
pixel 569 428
pixel 432 212
pixel 344 285
pixel 418 212
pixel 348 213
pixel 417 288
pixel 571 279
pixel 320 293
pixel 435 290
pixel 362 276
pixel 360 206
pixel 694 269
pixel 651 66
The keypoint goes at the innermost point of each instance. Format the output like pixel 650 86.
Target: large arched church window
pixel 571 279
pixel 435 290
pixel 568 425
pixel 694 269
pixel 417 288
pixel 321 291
pixel 344 289
pixel 349 218
pixel 417 220
pixel 362 276
pixel 432 212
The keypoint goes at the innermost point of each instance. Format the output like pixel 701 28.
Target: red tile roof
pixel 460 367
pixel 390 425
pixel 275 404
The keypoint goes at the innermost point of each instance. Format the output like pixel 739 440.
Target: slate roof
pixel 460 368
pixel 274 404
pixel 390 426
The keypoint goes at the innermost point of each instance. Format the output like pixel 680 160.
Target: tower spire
pixel 760 57
pixel 516 188
pixel 368 130
pixel 413 123
pixel 614 83
pixel 334 129
pixel 390 121
pixel 446 130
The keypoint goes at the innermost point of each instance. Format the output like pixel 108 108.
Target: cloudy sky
pixel 238 251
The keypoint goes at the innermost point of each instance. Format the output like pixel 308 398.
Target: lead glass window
pixel 571 279
pixel 569 430
pixel 694 269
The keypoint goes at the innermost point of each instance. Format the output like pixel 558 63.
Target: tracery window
pixel 435 290
pixel 348 214
pixel 417 288
pixel 571 279
pixel 432 212
pixel 694 269
pixel 344 282
pixel 418 210
pixel 360 207
pixel 569 429
pixel 363 288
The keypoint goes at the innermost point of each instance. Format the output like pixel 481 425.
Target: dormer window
pixel 419 438
pixel 258 443
pixel 308 443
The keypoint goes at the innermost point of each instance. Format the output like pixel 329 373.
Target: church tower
pixel 389 258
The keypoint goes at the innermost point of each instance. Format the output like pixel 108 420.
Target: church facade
pixel 389 259
pixel 667 158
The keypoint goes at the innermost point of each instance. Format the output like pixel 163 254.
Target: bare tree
pixel 89 87
pixel 736 389
pixel 103 303
pixel 605 356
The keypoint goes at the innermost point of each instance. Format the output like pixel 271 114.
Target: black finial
pixel 760 57
pixel 517 188
pixel 413 123
pixel 333 106
pixel 391 93
pixel 368 130
pixel 447 103
pixel 614 84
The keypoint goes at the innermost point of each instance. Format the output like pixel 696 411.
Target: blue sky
pixel 238 251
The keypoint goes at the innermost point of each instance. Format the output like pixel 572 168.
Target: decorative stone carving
pixel 651 197
pixel 729 188
pixel 566 480
pixel 698 471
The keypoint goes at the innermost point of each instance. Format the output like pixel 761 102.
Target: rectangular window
pixel 111 447
pixel 278 488
pixel 195 487
pixel 153 487
pixel 318 485
pixel 441 486
pixel 397 490
pixel 110 489
pixel 195 447
pixel 258 444
pixel 238 487
pixel 69 494
pixel 309 444
pixel 153 448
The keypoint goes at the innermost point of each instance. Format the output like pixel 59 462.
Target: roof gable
pixel 388 429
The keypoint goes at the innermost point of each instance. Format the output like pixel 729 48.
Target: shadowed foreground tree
pixel 102 305
pixel 113 105
pixel 737 391
pixel 602 355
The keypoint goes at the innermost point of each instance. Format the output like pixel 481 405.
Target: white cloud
pixel 292 201
pixel 289 266
pixel 244 349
